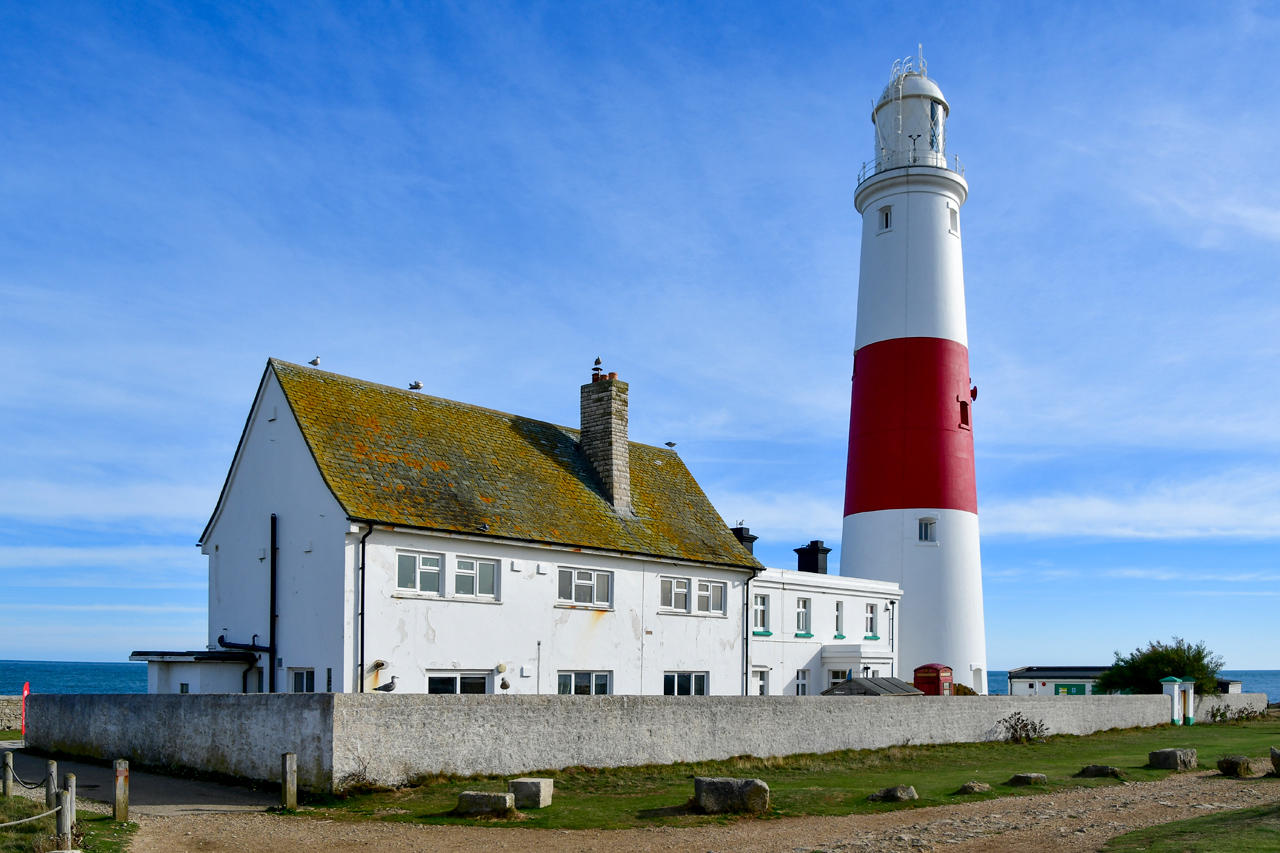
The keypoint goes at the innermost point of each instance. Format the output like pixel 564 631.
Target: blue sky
pixel 485 197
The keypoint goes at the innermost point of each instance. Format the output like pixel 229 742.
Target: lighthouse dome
pixel 912 84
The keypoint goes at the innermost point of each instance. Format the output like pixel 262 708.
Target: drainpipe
pixel 363 538
pixel 244 676
pixel 271 629
pixel 746 633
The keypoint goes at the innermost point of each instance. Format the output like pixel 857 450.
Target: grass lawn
pixel 1255 829
pixel 10 734
pixel 834 783
pixel 101 833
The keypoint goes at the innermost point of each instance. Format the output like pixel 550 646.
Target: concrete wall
pixel 237 735
pixel 391 738
pixel 10 712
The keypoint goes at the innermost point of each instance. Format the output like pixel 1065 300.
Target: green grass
pixel 10 734
pixel 830 784
pixel 1256 829
pixel 101 833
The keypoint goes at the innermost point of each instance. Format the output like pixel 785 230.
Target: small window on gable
pixel 886 218
pixel 928 530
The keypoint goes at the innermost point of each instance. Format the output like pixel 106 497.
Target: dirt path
pixel 1078 820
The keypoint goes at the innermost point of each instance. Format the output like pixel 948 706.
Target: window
pixel 675 594
pixel 584 683
pixel 419 572
pixel 839 618
pixel 475 577
pixel 928 530
pixel 803 621
pixel 710 597
pixel 964 414
pixel 760 679
pixel 871 620
pixel 586 586
pixel 802 682
pixel 886 218
pixel 836 676
pixel 328 679
pixel 954 217
pixel 458 682
pixel 304 680
pixel 760 614
pixel 684 684
pixel 184 687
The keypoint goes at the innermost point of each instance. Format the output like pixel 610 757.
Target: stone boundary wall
pixel 391 739
pixel 10 712
pixel 225 733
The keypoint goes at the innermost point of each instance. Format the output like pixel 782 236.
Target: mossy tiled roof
pixel 402 457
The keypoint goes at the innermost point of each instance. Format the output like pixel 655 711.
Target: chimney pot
pixel 613 376
pixel 813 557
pixel 744 536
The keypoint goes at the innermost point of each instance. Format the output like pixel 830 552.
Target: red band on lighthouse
pixel 909 445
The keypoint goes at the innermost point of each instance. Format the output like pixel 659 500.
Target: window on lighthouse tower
pixel 886 218
pixel 928 530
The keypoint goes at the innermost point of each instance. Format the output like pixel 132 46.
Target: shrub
pixel 958 689
pixel 1141 670
pixel 1019 728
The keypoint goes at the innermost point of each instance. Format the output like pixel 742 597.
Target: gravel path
pixel 1076 820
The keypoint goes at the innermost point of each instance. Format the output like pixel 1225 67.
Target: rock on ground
pixel 1235 765
pixel 1172 759
pixel 1094 771
pixel 1029 779
pixel 974 788
pixel 725 795
pixel 895 794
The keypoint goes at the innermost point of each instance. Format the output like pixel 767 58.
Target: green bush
pixel 1141 670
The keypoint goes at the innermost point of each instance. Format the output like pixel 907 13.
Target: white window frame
pixel 578 579
pixel 594 680
pixel 839 618
pixel 760 682
pixel 307 675
pixel 804 616
pixel 953 220
pixel 927 530
pixel 457 675
pixel 696 680
pixel 884 219
pixel 419 569
pixel 474 573
pixel 836 676
pixel 706 590
pixel 871 619
pixel 675 593
pixel 760 613
pixel 802 682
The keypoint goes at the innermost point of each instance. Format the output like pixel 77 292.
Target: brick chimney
pixel 604 435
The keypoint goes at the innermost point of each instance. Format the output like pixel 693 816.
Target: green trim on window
pixel 839 636
pixel 804 635
pixel 871 637
pixel 762 633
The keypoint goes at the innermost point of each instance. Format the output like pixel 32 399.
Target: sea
pixel 76 677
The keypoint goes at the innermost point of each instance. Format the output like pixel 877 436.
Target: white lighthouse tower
pixel 911 508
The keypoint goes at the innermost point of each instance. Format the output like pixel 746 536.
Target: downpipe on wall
pixel 271 630
pixel 360 614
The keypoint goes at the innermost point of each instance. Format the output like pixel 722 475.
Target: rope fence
pixel 61 803
pixel 29 819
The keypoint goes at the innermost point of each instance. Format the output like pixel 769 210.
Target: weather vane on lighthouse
pixel 911 507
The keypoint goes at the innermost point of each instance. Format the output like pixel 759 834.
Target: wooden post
pixel 69 784
pixel 120 807
pixel 8 774
pixel 64 820
pixel 51 785
pixel 289 781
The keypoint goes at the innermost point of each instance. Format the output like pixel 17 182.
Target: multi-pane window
pixel 836 676
pixel 584 683
pixel 684 684
pixel 760 613
pixel 928 529
pixel 761 679
pixel 675 593
pixel 304 680
pixel 803 620
pixel 475 577
pixel 419 572
pixel 586 586
pixel 802 682
pixel 458 682
pixel 840 618
pixel 871 619
pixel 710 597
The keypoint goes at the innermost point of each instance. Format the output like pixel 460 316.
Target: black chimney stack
pixel 743 535
pixel 813 557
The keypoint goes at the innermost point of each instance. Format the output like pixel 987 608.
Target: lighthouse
pixel 911 507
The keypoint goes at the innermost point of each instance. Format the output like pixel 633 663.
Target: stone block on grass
pixel 1177 758
pixel 531 793
pixel 725 795
pixel 1029 779
pixel 974 788
pixel 485 804
pixel 895 794
pixel 1275 761
pixel 1096 771
pixel 1235 765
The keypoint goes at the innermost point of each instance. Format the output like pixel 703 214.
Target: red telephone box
pixel 933 679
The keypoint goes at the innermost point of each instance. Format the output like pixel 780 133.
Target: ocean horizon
pixel 131 677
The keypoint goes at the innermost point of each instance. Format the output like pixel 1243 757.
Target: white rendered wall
pixel 274 472
pixel 782 653
pixel 911 276
pixel 1031 686
pixel 940 618
pixel 635 639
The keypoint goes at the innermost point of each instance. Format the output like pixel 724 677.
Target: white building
pixel 1054 680
pixel 369 537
